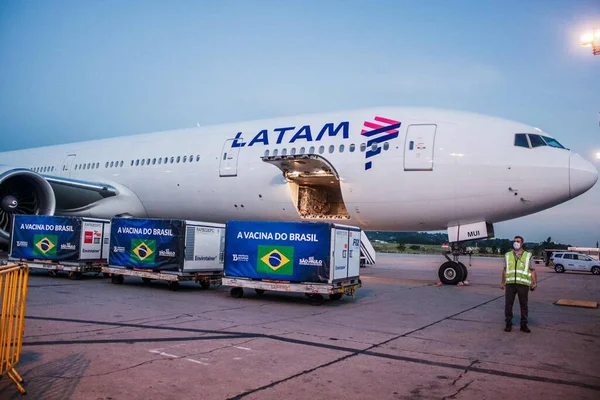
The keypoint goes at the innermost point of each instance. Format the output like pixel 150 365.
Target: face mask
pixel 516 245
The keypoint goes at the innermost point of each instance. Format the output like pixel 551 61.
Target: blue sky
pixel 78 70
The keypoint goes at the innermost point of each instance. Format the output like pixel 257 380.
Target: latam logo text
pixel 291 134
pixel 382 130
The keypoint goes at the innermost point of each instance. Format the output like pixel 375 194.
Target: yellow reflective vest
pixel 517 270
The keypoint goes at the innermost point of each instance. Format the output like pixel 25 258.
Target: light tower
pixel 592 39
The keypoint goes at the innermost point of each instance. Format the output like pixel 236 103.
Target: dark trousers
pixel 510 292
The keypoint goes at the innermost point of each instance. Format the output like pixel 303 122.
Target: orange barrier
pixel 13 292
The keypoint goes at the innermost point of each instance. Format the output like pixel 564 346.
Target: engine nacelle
pixel 22 191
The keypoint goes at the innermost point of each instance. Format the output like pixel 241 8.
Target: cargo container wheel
pixel 204 284
pixel 236 292
pixel 173 285
pixel 335 296
pixel 117 279
pixel 316 299
pixel 75 275
pixel 259 291
pixel 52 272
pixel 146 280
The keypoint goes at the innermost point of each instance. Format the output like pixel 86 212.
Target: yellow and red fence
pixel 13 292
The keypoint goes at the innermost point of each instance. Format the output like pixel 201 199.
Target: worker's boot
pixel 524 328
pixel 508 327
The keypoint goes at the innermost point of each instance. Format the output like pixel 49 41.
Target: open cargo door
pixel 314 185
pixel 367 252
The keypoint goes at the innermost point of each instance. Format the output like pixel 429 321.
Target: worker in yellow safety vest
pixel 518 278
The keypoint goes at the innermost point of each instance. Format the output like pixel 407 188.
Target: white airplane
pixel 385 169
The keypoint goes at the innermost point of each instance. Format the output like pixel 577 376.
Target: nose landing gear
pixel 453 272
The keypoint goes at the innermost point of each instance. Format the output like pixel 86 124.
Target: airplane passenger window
pixel 321 149
pixel 173 158
pixel 166 160
pixel 267 153
pixel 341 148
pixel 275 152
pixel 352 147
pixel 331 149
pixel 159 160
pixel 552 142
pixel 148 162
pixel 386 146
pixel 363 147
pixel 178 159
pixel 521 140
pixel 121 164
pixel 293 151
pixel 191 158
pixel 536 141
pixel 197 158
pixel 98 165
pixel 302 150
pixel 311 150
pixel 184 158
pixel 374 146
pixel 143 162
pixel 137 162
pixel 153 161
pixel 111 163
pixel 284 152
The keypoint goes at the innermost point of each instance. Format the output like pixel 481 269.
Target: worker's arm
pixel 503 278
pixel 533 279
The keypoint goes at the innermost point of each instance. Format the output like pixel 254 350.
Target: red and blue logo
pixel 379 131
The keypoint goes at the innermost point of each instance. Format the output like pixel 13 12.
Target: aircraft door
pixel 418 148
pixel 67 165
pixel 229 159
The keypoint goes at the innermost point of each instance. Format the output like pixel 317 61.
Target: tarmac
pixel 400 337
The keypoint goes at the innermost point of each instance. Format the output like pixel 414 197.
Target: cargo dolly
pixel 203 278
pixel 75 270
pixel 314 291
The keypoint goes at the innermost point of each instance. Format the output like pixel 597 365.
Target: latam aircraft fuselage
pixel 394 169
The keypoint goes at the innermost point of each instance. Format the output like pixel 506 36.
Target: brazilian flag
pixel 45 245
pixel 275 260
pixel 143 251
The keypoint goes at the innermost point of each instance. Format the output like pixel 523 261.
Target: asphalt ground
pixel 401 337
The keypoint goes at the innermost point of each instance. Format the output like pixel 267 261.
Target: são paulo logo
pixel 45 245
pixel 143 251
pixel 275 260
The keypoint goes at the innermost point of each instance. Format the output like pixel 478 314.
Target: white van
pixel 572 261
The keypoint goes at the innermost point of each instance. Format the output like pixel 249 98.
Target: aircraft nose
pixel 582 175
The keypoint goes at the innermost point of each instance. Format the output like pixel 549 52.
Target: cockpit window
pixel 552 142
pixel 536 140
pixel 521 140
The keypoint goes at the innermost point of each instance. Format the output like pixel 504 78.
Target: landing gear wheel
pixel 75 275
pixel 316 299
pixel 335 296
pixel 596 270
pixel 236 292
pixel 259 291
pixel 450 273
pixel 52 273
pixel 559 268
pixel 117 279
pixel 146 280
pixel 204 284
pixel 464 271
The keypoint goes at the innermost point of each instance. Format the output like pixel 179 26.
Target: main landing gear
pixel 453 272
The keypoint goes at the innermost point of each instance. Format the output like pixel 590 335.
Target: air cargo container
pixel 173 250
pixel 60 243
pixel 314 258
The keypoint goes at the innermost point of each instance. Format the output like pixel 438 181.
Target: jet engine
pixel 22 191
